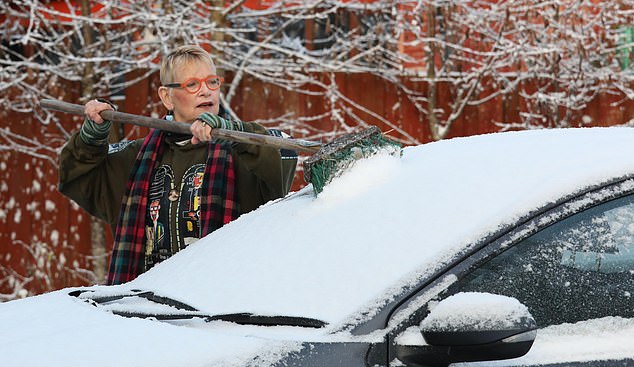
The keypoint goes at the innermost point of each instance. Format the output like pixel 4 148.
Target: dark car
pixel 510 249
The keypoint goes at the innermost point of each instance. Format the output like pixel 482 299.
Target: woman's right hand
pixel 93 108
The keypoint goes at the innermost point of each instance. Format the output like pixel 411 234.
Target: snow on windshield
pixel 385 221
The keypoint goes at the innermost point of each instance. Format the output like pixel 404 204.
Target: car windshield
pixel 383 224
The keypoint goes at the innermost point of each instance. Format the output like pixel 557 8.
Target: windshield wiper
pixel 149 295
pixel 189 312
pixel 238 318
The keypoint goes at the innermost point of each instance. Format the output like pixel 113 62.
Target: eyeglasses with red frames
pixel 193 85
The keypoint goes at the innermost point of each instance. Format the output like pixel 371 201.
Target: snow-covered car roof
pixel 384 224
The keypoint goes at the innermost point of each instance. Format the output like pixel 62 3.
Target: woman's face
pixel 186 106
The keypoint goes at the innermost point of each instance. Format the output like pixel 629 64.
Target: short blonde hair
pixel 181 56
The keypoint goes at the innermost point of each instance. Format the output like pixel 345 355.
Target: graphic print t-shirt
pixel 181 204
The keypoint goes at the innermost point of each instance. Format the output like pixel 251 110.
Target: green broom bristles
pixel 339 155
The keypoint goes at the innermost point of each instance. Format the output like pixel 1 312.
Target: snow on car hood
pixel 58 330
pixel 388 218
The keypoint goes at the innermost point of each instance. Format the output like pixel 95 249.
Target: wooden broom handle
pixel 183 128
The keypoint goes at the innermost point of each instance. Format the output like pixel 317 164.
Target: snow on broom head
pixel 338 156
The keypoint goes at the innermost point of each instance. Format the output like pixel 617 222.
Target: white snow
pixel 385 222
pixel 17 216
pixel 605 338
pixel 382 221
pixel 49 205
pixel 475 311
pixel 90 338
pixel 36 186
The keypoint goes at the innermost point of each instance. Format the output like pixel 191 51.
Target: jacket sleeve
pixel 94 178
pixel 261 174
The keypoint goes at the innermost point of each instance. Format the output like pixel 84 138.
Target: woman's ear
pixel 166 98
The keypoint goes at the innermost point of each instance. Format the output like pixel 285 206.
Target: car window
pixel 577 269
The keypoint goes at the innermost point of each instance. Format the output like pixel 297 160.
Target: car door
pixel 571 265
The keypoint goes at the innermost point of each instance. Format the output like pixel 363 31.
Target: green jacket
pixel 95 177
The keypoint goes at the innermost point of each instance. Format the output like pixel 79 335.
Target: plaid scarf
pixel 219 204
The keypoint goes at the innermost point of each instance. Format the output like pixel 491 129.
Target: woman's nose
pixel 204 90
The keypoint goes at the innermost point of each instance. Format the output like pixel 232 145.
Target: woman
pixel 165 191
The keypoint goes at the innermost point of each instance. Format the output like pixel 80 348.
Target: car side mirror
pixel 469 327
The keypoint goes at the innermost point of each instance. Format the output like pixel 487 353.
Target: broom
pixel 326 162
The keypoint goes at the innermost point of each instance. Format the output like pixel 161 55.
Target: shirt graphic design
pixel 166 203
pixel 188 226
pixel 157 229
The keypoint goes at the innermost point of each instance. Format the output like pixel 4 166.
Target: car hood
pixel 56 329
